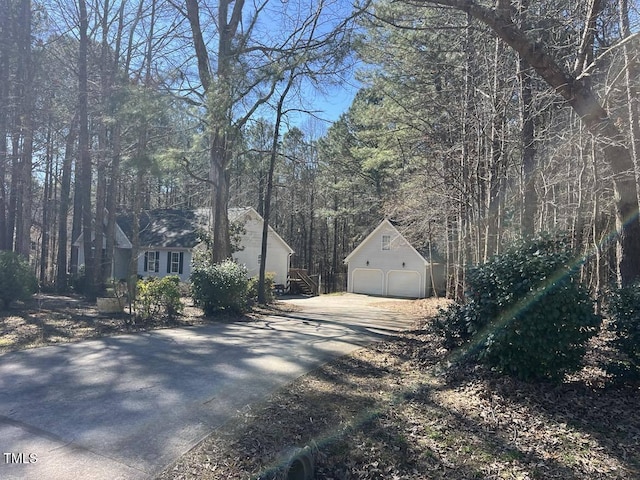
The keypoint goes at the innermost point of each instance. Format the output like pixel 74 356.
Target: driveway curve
pixel 124 407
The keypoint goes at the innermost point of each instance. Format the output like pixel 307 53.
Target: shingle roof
pixel 175 228
pixel 166 228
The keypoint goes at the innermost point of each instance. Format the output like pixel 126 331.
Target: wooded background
pixel 476 123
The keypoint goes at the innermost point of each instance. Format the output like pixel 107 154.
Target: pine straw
pixel 383 413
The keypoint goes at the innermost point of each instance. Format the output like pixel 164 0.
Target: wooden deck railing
pixel 301 280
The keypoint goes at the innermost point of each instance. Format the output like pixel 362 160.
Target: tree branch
pixel 586 45
pixel 187 167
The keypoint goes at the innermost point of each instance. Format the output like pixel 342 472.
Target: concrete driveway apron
pixel 124 407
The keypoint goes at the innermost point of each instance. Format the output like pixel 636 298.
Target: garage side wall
pixel 439 280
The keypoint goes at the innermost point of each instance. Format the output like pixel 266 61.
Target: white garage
pixel 368 280
pixel 386 264
pixel 404 284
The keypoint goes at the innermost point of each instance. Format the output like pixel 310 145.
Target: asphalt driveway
pixel 124 407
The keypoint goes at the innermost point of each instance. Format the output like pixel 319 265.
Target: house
pixel 168 237
pixel 166 240
pixel 386 264
pixel 278 251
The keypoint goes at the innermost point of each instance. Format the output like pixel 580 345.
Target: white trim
pixel 244 212
pixel 421 282
pixel 384 223
pixel 382 278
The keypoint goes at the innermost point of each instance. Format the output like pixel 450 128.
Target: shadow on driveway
pixel 126 406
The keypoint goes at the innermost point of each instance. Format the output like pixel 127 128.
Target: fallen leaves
pixel 382 413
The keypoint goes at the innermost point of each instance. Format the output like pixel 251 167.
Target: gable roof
pixel 385 223
pixel 244 213
pixel 122 239
pixel 165 228
pixel 176 228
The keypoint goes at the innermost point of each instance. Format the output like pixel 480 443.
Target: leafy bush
pixel 624 312
pixel 158 297
pixel 458 323
pixel 526 313
pixel 17 282
pixel 269 288
pixel 220 286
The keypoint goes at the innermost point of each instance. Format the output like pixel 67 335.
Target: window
pixel 386 242
pixel 152 262
pixel 175 261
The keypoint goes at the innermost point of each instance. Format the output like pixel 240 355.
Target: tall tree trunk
pixel 46 206
pixel 5 48
pixel 632 75
pixel 76 223
pixel 527 138
pixel 334 250
pixel 84 155
pixel 577 93
pixel 102 257
pixel 112 190
pixel 495 159
pixel 579 217
pixel 132 280
pixel 267 200
pixel 597 234
pixel 14 188
pixel 24 130
pixel 528 149
pixel 23 235
pixel 65 202
pixel 218 179
pixel 99 226
pixel 220 104
pixel 312 232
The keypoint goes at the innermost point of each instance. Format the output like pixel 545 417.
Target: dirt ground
pixel 400 410
pixel 52 319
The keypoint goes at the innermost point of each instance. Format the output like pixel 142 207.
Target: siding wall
pixel 393 264
pixel 277 253
pixel 186 266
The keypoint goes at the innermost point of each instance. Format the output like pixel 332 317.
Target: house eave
pixel 384 223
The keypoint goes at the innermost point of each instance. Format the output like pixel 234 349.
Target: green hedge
pixel 17 282
pixel 269 288
pixel 526 313
pixel 220 286
pixel 158 297
pixel 624 313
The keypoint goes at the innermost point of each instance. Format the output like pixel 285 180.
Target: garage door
pixel 404 284
pixel 367 280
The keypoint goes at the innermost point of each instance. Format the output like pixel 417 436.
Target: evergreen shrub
pixel 269 288
pixel 158 297
pixel 17 282
pixel 526 314
pixel 219 286
pixel 624 313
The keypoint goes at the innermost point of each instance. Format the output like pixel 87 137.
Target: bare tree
pixel 574 87
pixel 245 75
pixel 83 184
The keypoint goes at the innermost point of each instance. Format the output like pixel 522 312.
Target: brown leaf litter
pixel 387 412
